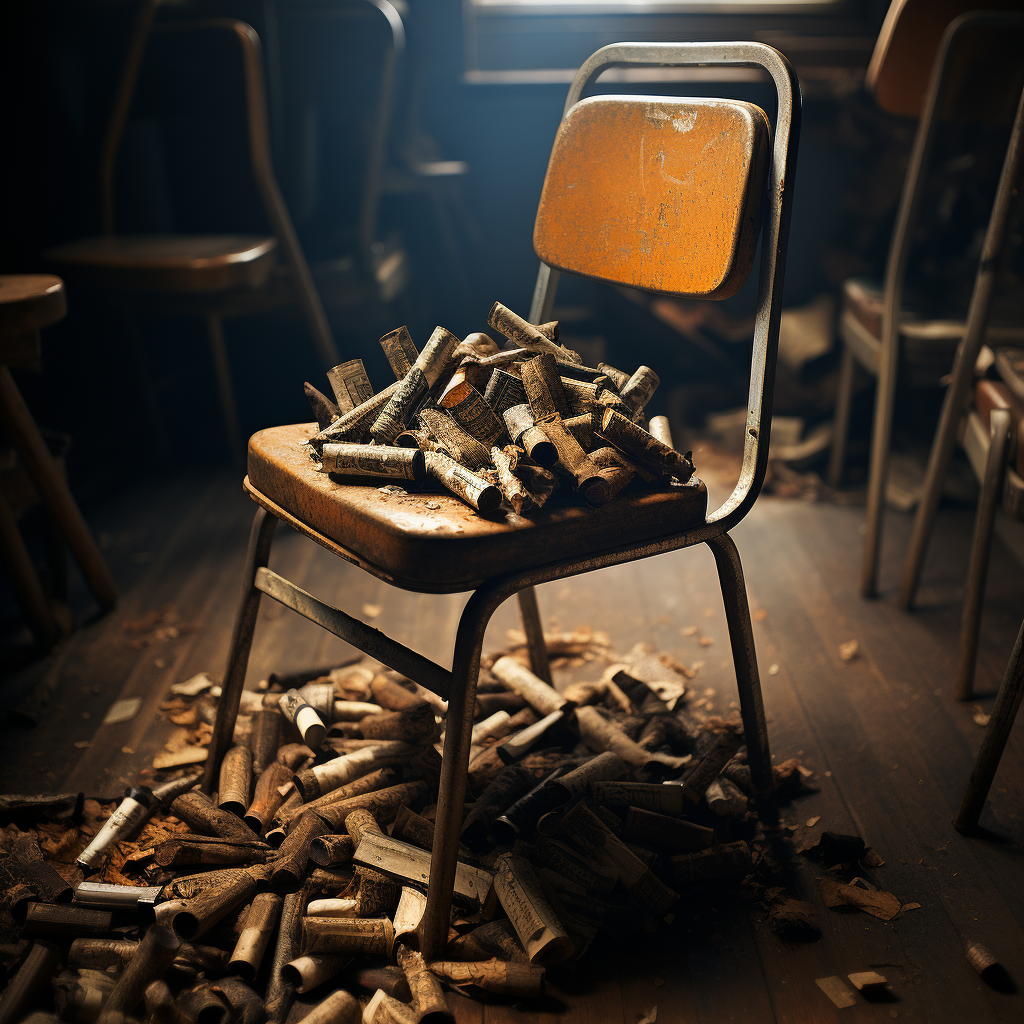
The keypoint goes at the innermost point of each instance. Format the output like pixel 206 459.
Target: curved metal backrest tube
pixel 781 175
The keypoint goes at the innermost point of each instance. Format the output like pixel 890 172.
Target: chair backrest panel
pixel 657 193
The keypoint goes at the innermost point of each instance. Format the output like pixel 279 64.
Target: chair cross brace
pixel 369 640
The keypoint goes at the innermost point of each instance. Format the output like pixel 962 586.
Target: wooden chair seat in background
pixel 434 542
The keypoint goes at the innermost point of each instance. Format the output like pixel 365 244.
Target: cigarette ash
pixel 503 427
pixel 601 811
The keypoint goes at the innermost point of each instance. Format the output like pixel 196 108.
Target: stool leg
pixel 841 422
pixel 54 490
pixel 28 592
pixel 454 776
pixel 741 637
pixel 998 732
pixel 991 492
pixel 222 370
pixel 257 557
pixel 530 614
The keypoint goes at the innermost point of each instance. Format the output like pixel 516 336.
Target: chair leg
pixel 841 422
pixel 530 614
pixel 28 591
pixel 991 493
pixel 998 732
pixel 258 555
pixel 225 388
pixel 741 637
pixel 878 470
pixel 54 490
pixel 454 775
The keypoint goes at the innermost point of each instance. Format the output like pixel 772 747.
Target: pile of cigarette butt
pixel 296 892
pixel 492 424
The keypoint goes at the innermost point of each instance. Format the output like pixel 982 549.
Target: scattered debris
pixel 193 687
pixel 980 718
pixel 849 650
pixel 811 822
pixel 834 848
pixel 794 920
pixel 882 905
pixel 868 980
pixel 837 990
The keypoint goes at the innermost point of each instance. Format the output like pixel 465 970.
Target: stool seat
pixel 432 542
pixel 29 302
pixel 170 263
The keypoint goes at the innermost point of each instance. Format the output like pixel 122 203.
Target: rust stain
pixel 675 211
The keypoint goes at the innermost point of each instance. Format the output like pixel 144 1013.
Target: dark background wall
pixel 60 61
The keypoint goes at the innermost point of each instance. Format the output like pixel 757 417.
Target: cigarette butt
pixel 350 384
pixel 474 490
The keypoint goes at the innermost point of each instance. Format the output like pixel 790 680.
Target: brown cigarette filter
pixel 64 919
pixel 637 391
pixel 504 390
pixel 580 395
pixel 696 781
pixel 581 429
pixel 452 440
pixel 400 350
pixel 260 922
pixel 293 855
pixel 524 334
pixel 651 829
pixel 297 710
pixel 355 425
pixel 593 488
pixel 378 895
pixel 467 407
pixel 325 411
pixel 379 779
pixel 190 918
pixel 321 779
pixel 544 390
pixel 279 992
pixel 152 959
pixel 618 378
pixel 377 461
pixel 393 695
pixel 295 755
pixel 427 995
pixel 352 935
pixel 413 725
pixel 267 797
pixel 521 895
pixel 235 787
pixel 983 962
pixel 430 368
pixel 523 430
pixel 517 981
pixel 384 803
pixel 185 849
pixel 264 738
pixel 328 851
pixel 199 813
pixel 413 828
pixel 614 468
pixel 730 860
pixel 207 1003
pixel 504 790
pixel 32 979
pixel 474 490
pixel 350 384
pixel 640 446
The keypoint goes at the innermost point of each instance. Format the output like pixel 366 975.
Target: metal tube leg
pixel 741 637
pixel 28 591
pixel 241 643
pixel 222 371
pixel 530 614
pixel 454 775
pixel 841 422
pixel 991 493
pixel 1003 713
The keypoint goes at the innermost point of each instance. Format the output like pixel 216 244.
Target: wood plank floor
pixel 891 750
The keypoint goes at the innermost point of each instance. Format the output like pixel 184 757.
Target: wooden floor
pixel 890 749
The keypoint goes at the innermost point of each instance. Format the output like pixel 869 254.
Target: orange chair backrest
pixel 661 194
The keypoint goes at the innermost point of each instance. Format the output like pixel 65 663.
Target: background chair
pixel 915 70
pixel 599 200
pixel 191 99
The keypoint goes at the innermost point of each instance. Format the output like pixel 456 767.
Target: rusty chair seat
pixel 432 542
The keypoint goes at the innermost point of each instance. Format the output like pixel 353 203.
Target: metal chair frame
pixel 895 274
pixel 459 685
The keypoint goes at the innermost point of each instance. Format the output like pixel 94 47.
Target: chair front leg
pixel 988 502
pixel 748 682
pixel 454 775
pixel 258 555
pixel 841 420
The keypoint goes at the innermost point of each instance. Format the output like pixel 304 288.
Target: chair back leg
pixel 535 644
pixel 748 681
pixel 458 738
pixel 841 421
pixel 257 556
pixel 991 493
pixel 222 371
pixel 998 732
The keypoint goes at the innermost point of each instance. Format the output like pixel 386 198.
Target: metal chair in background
pixel 200 273
pixel 918 63
pixel 664 194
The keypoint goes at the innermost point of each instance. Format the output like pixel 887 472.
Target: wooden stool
pixel 27 303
